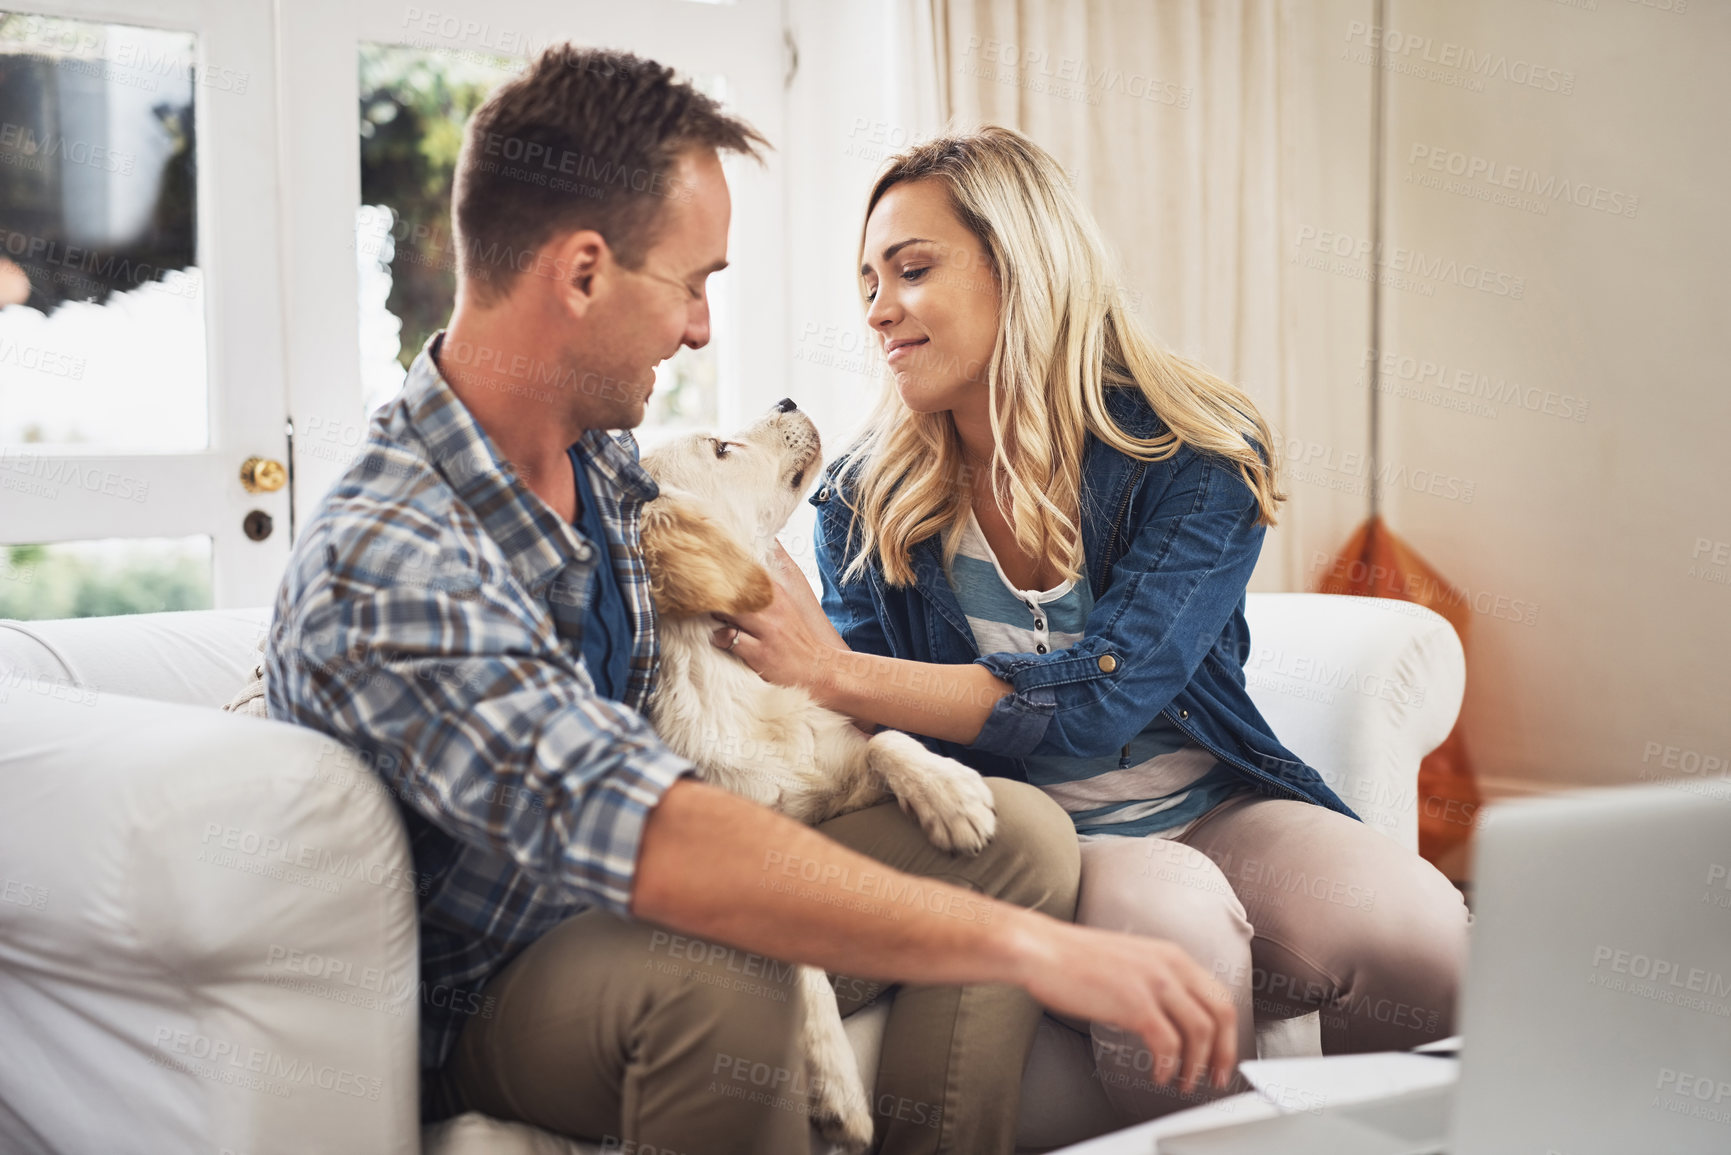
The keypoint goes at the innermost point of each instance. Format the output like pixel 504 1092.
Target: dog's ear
pixel 695 566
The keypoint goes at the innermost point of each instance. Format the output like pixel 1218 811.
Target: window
pixel 102 342
pixel 414 103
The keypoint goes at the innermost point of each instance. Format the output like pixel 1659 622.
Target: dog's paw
pixel 953 804
pixel 841 1110
pixel 950 801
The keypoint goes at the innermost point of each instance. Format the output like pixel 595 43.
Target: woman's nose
pixel 880 312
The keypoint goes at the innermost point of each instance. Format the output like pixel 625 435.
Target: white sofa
pixel 206 920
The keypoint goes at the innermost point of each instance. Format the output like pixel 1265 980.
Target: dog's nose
pixel 786 405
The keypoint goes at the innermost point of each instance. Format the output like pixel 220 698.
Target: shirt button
pixel 1039 623
pixel 1108 663
pixel 1041 648
pixel 584 552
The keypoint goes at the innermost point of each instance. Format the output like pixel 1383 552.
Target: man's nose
pixel 697 328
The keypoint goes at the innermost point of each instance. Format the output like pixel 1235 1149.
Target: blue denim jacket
pixel 1169 548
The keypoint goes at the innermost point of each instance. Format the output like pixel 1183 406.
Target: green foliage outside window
pixel 413 105
pixel 39 582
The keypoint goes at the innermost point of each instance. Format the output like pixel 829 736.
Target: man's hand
pixel 1146 985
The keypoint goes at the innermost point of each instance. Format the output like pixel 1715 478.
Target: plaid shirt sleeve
pixel 406 642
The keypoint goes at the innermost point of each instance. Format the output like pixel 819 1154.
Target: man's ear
pixel 695 566
pixel 574 260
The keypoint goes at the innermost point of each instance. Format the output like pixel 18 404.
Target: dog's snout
pixel 786 405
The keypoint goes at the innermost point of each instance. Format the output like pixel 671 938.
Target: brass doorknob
pixel 262 475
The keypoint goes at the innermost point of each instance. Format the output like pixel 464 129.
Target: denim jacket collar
pixel 1107 485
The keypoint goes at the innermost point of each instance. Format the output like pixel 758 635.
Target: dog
pixel 708 540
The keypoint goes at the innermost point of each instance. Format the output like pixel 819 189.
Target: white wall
pixel 1599 496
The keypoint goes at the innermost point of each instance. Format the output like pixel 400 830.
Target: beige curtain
pixel 1189 127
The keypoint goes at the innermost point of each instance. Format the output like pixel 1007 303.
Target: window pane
pixel 102 343
pixel 414 103
pixel 87 579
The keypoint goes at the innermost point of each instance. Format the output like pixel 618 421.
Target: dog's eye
pixel 720 446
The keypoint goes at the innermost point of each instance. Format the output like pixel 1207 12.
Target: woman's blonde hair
pixel 1064 336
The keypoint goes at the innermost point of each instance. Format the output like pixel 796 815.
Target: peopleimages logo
pixel 40 360
pixel 22 140
pixel 1472 385
pixel 1330 251
pixel 69 261
pixel 298 860
pixel 54 471
pixel 225 1061
pixel 1662 972
pixel 1545 186
pixel 1482 64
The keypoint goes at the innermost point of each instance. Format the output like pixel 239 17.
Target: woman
pixel 1037 552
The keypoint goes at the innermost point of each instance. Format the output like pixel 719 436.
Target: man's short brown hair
pixel 583 138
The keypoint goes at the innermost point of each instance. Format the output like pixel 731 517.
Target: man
pixel 468 609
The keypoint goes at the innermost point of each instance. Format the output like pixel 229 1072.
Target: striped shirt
pixel 1161 783
pixel 431 619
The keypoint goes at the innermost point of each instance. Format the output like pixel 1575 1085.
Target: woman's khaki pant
pixel 1293 908
pixel 654 1043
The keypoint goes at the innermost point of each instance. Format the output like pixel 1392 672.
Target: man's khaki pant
pixel 653 1042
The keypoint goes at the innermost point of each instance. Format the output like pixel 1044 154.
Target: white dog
pixel 707 541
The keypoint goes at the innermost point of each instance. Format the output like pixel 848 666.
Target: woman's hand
pixel 789 642
pixel 789 576
pixel 792 643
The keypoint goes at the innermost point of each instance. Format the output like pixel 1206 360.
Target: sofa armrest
pixel 218 945
pixel 1361 689
pixel 199 657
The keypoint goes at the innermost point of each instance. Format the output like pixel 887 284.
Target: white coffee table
pixel 1285 1086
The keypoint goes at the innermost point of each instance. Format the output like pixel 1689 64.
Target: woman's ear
pixel 695 566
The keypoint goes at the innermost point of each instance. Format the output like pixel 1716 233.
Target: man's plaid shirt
pixel 431 619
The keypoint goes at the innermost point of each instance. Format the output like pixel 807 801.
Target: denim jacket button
pixel 1183 713
pixel 822 494
pixel 1108 663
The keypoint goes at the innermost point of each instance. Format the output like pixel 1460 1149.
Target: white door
pixel 332 267
pixel 141 342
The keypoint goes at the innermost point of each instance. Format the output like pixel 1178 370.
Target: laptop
pixel 1596 1008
